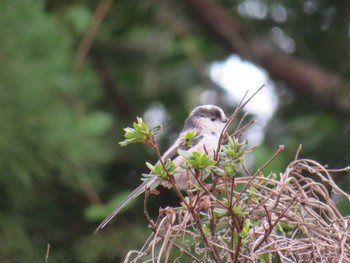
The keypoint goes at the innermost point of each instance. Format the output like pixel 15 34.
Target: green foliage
pixel 140 133
pixel 232 156
pixel 53 141
pixel 188 139
pixel 285 228
pixel 160 171
pixel 197 160
pixel 219 212
pixel 246 227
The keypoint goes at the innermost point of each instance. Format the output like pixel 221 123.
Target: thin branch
pixel 90 34
pixel 47 253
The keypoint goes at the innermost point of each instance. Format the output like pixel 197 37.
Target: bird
pixel 207 123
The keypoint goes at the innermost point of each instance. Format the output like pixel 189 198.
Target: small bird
pixel 207 122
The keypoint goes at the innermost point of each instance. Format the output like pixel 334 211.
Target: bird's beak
pixel 225 120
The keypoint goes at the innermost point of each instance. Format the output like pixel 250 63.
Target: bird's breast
pixel 184 178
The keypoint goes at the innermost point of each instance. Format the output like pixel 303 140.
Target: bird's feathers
pixel 138 191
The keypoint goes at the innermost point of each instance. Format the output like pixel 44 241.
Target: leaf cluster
pixel 140 133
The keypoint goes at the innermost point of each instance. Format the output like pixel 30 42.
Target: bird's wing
pixel 139 190
pixel 172 152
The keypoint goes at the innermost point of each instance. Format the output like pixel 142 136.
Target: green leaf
pixel 184 154
pixel 150 166
pixel 147 176
pixel 158 169
pixel 220 212
pixel 170 166
pixel 235 237
pixel 246 227
pixel 140 133
pixel 238 210
pixel 264 258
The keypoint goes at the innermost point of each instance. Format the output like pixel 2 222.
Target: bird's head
pixel 207 119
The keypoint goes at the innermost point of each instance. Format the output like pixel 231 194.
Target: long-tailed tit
pixel 206 122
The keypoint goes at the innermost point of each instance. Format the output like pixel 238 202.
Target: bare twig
pixel 90 34
pixel 47 253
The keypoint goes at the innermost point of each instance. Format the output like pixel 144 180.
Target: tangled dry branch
pixel 255 218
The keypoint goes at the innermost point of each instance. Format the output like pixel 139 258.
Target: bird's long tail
pixel 138 191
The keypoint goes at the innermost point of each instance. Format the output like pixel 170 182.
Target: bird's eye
pixel 213 119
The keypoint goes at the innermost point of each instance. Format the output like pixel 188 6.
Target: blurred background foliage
pixel 74 73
